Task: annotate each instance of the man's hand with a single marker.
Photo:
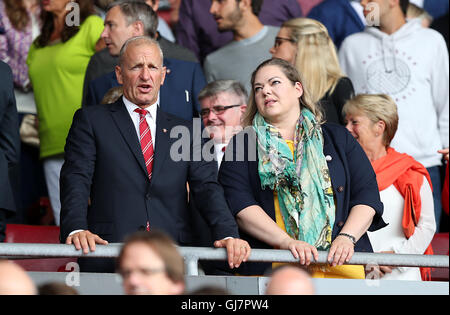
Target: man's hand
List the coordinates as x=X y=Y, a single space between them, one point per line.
x=85 y=240
x=238 y=250
x=387 y=269
x=444 y=152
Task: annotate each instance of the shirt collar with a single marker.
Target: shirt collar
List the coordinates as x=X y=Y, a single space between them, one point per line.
x=218 y=147
x=151 y=109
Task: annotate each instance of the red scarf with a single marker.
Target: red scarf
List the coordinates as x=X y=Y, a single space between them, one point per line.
x=406 y=174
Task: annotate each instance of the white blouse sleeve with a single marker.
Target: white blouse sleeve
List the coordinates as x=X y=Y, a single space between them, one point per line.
x=426 y=227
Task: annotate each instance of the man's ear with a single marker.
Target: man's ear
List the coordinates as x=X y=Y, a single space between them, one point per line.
x=164 y=73
x=119 y=74
x=245 y=5
x=394 y=3
x=155 y=5
x=138 y=28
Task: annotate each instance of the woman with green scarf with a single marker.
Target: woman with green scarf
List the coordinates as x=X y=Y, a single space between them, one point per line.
x=296 y=183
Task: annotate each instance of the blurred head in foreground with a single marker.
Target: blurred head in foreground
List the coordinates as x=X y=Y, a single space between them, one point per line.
x=290 y=280
x=150 y=263
x=14 y=280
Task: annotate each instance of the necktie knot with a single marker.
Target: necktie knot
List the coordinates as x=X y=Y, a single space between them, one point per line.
x=141 y=112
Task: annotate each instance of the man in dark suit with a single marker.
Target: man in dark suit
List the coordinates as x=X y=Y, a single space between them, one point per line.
x=223 y=104
x=135 y=19
x=134 y=183
x=9 y=146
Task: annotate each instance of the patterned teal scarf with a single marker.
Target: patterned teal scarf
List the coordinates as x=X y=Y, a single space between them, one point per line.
x=303 y=184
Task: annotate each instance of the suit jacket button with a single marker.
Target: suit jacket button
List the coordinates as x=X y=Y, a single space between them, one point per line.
x=340 y=224
x=147 y=196
x=340 y=189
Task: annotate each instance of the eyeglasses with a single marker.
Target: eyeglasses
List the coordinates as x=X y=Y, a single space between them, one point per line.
x=218 y=110
x=279 y=41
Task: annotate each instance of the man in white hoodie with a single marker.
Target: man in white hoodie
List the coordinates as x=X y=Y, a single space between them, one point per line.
x=411 y=64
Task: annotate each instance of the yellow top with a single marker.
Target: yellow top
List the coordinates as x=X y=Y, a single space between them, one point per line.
x=318 y=271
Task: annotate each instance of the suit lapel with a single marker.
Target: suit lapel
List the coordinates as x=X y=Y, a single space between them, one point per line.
x=125 y=124
x=163 y=142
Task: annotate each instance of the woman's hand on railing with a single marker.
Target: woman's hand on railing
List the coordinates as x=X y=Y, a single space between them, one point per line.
x=341 y=251
x=301 y=250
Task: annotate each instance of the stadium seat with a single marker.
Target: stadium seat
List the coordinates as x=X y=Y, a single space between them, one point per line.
x=440 y=245
x=18 y=233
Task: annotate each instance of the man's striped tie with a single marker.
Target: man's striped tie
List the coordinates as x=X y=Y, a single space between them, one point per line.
x=146 y=141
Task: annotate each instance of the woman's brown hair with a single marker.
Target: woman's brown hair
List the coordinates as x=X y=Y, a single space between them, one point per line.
x=86 y=9
x=17 y=14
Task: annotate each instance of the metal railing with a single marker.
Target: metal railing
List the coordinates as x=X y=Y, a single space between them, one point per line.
x=193 y=254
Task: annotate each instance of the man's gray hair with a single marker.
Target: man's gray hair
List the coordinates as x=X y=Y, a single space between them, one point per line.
x=135 y=11
x=139 y=40
x=220 y=86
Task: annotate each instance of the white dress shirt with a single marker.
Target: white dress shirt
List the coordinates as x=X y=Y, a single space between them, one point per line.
x=150 y=117
x=219 y=153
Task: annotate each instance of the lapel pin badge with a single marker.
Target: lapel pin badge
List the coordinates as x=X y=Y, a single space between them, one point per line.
x=165 y=130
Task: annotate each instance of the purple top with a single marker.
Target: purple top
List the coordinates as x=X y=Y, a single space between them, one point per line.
x=14 y=47
x=197 y=29
x=307 y=5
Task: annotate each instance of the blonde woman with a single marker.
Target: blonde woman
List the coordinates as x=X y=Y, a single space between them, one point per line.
x=404 y=184
x=305 y=43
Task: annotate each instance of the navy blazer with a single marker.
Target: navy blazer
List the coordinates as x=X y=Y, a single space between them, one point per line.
x=178 y=96
x=9 y=139
x=352 y=176
x=339 y=17
x=104 y=164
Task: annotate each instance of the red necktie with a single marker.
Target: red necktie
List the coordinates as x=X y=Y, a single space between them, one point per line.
x=146 y=141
